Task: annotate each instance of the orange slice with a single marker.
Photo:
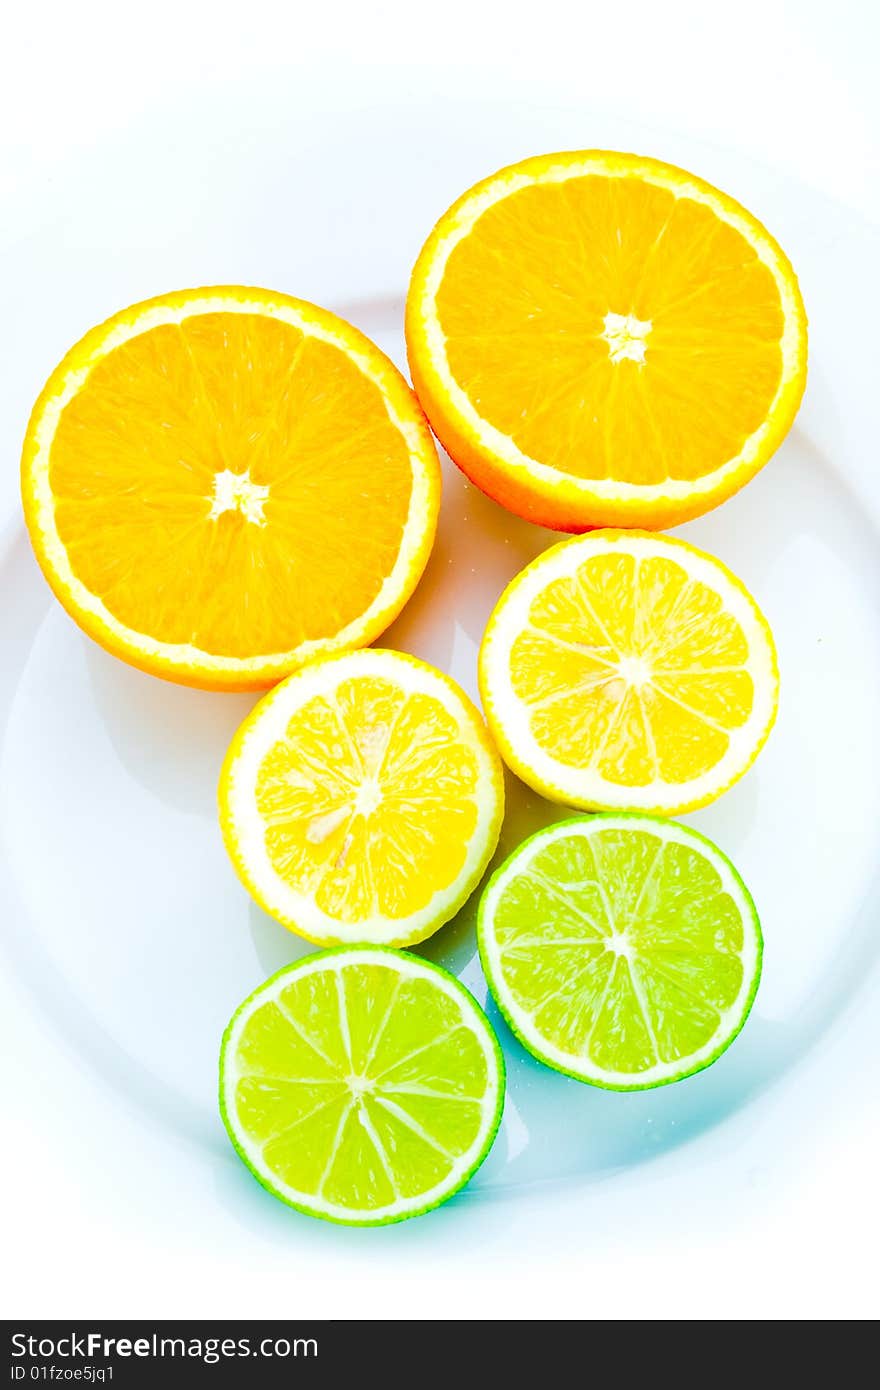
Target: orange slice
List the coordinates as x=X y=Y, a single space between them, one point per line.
x=221 y=484
x=600 y=339
x=628 y=671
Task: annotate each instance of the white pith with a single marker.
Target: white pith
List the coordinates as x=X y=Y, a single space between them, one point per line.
x=509 y=716
x=626 y=337
x=237 y=492
x=667 y=832
x=247 y=828
x=522 y=468
x=471 y=1018
x=183 y=656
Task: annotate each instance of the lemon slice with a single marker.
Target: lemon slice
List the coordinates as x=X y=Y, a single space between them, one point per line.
x=361 y=799
x=625 y=670
x=361 y=1085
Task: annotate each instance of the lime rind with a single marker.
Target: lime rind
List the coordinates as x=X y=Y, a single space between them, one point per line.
x=569 y=1064
x=493 y=1102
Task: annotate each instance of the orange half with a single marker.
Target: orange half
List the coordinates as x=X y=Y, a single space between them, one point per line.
x=221 y=484
x=599 y=339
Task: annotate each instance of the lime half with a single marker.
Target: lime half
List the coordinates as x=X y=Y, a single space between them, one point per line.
x=622 y=950
x=362 y=1085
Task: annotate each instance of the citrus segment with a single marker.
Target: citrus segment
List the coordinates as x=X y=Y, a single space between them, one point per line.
x=603 y=339
x=624 y=669
x=361 y=1085
x=624 y=950
x=362 y=799
x=221 y=484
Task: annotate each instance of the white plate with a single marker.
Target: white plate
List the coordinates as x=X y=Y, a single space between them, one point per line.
x=129 y=939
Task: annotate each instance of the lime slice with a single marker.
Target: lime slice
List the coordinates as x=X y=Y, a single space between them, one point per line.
x=361 y=1085
x=622 y=950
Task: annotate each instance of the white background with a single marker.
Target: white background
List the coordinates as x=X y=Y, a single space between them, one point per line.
x=792 y=85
